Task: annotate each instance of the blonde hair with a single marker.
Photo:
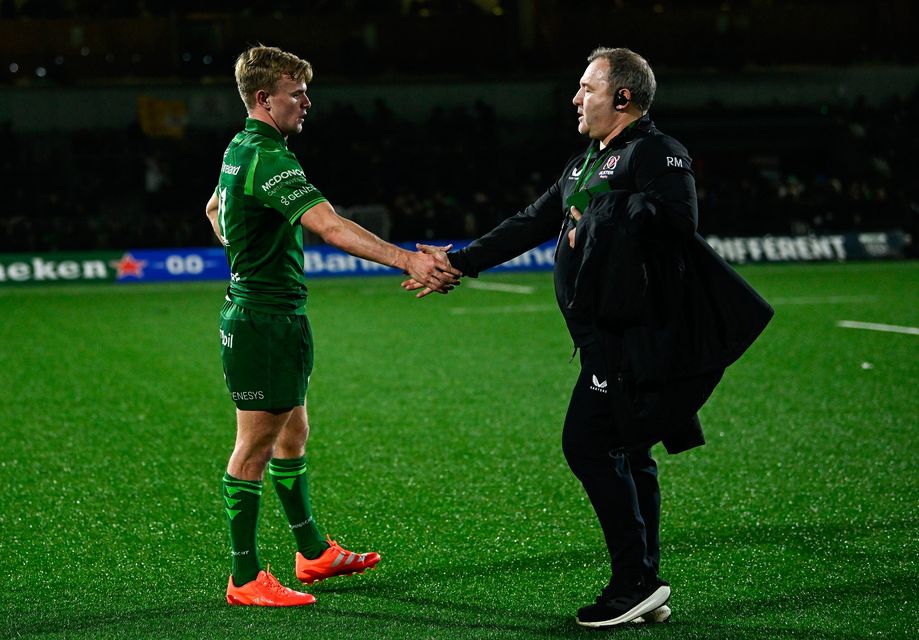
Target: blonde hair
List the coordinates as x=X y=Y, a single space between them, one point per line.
x=260 y=68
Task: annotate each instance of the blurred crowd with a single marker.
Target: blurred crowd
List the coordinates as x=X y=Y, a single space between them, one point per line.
x=462 y=171
x=69 y=42
x=839 y=170
x=457 y=173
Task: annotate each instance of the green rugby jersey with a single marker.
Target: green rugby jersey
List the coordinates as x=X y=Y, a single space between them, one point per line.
x=261 y=194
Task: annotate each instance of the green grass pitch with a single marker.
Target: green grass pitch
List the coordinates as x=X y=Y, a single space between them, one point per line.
x=436 y=441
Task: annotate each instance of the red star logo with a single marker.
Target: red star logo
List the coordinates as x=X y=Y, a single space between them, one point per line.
x=128 y=266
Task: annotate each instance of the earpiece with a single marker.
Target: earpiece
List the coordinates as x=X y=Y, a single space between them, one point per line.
x=620 y=100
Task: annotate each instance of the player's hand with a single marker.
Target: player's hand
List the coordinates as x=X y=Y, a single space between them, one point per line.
x=439 y=254
x=413 y=285
x=430 y=268
x=577 y=216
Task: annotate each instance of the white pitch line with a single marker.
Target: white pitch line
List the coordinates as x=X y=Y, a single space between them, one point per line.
x=519 y=308
x=873 y=326
x=498 y=286
x=822 y=300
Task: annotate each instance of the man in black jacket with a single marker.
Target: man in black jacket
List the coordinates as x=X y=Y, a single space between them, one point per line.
x=657 y=316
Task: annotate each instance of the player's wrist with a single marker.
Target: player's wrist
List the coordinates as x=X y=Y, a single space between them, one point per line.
x=403 y=260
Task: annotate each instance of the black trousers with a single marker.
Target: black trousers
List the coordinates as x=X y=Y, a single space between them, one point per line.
x=620 y=482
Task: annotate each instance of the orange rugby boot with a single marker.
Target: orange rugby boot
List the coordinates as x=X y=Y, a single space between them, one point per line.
x=266 y=591
x=334 y=561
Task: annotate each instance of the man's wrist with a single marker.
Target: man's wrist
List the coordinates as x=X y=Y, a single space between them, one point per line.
x=402 y=260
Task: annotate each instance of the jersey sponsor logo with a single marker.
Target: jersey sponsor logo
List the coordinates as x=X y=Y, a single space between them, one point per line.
x=248 y=395
x=226 y=339
x=673 y=161
x=609 y=167
x=597 y=385
x=296 y=194
x=575 y=173
x=230 y=169
x=284 y=175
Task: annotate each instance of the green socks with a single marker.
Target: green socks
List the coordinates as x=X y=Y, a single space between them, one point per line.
x=241 y=501
x=291 y=483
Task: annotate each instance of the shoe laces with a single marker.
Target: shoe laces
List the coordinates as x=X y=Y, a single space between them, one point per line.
x=332 y=543
x=273 y=583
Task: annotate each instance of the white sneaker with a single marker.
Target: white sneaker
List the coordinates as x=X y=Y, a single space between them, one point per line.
x=661 y=614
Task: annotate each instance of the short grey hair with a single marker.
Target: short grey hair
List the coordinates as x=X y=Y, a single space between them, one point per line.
x=628 y=70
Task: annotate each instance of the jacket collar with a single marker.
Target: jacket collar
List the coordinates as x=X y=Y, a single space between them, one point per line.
x=637 y=128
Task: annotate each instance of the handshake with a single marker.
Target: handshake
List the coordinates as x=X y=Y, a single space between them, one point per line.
x=430 y=271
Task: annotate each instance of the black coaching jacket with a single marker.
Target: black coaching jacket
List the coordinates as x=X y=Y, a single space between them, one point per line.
x=669 y=312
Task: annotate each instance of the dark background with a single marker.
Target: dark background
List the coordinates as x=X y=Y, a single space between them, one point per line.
x=800 y=116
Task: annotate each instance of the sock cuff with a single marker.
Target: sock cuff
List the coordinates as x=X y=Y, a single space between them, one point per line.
x=287 y=467
x=234 y=485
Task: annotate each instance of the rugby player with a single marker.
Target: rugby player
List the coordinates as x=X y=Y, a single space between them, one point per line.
x=261 y=205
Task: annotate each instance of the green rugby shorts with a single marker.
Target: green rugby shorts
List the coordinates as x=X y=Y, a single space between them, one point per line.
x=267 y=358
